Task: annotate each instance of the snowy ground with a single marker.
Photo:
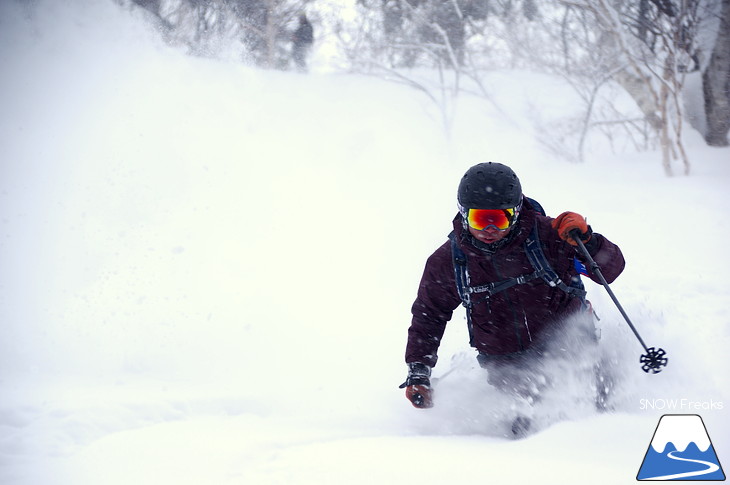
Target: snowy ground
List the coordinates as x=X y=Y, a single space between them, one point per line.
x=207 y=271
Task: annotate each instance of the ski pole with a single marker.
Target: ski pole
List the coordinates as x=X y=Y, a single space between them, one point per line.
x=655 y=358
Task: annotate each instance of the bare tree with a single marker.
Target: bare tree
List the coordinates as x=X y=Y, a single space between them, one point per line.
x=716 y=83
x=647 y=46
x=414 y=31
x=259 y=27
x=408 y=40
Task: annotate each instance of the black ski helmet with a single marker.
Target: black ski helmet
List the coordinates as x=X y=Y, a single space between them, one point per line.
x=489 y=185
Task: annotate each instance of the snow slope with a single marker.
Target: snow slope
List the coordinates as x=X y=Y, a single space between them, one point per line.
x=207 y=271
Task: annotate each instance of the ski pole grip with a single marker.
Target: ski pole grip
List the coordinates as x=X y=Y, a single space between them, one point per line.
x=575 y=234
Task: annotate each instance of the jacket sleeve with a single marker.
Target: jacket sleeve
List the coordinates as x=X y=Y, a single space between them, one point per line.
x=607 y=255
x=437 y=299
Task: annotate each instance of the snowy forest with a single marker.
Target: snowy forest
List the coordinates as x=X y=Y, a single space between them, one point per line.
x=672 y=58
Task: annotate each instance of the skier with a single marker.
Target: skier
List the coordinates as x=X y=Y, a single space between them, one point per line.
x=302 y=40
x=491 y=265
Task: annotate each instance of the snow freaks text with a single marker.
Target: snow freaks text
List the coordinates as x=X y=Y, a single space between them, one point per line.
x=679 y=405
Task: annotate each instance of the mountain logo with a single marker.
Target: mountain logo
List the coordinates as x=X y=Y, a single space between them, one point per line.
x=681 y=450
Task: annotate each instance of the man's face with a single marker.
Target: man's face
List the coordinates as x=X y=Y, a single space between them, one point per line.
x=489 y=235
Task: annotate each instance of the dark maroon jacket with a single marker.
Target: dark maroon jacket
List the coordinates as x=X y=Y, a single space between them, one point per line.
x=511 y=320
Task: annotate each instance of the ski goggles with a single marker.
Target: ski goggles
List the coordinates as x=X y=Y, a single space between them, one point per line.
x=501 y=219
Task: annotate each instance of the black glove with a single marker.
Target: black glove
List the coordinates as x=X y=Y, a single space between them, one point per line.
x=418 y=385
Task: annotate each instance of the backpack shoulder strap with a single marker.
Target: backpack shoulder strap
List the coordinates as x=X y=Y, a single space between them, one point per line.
x=536 y=205
x=539 y=262
x=458 y=259
x=461 y=276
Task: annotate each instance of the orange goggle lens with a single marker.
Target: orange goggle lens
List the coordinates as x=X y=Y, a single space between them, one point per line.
x=480 y=219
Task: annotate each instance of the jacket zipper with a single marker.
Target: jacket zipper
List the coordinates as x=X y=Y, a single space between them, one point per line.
x=515 y=322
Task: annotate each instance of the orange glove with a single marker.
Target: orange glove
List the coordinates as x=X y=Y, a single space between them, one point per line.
x=567 y=222
x=420 y=396
x=418 y=385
